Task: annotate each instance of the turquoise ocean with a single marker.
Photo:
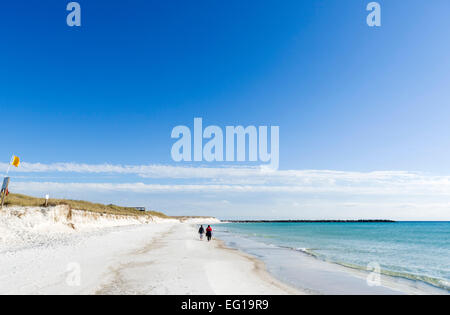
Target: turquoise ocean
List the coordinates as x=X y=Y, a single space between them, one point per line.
x=418 y=251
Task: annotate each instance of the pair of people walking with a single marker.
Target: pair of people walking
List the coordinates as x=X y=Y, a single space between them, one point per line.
x=201 y=231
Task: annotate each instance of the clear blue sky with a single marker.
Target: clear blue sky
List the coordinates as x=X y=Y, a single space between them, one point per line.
x=346 y=97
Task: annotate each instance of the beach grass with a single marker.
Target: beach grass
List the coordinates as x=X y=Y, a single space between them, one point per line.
x=28 y=201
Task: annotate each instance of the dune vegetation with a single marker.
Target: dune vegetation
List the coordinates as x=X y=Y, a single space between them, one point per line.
x=28 y=201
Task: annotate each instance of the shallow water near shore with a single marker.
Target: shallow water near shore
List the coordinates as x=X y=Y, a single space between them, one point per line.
x=415 y=255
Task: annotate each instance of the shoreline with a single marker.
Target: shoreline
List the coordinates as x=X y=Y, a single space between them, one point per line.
x=177 y=262
x=43 y=252
x=161 y=257
x=350 y=280
x=261 y=270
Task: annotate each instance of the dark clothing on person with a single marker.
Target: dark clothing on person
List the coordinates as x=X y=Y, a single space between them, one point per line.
x=201 y=231
x=209 y=233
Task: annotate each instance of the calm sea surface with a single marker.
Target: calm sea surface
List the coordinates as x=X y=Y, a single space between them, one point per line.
x=414 y=250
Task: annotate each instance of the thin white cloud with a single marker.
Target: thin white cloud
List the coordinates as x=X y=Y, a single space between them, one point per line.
x=386 y=190
x=256 y=178
x=233 y=180
x=256 y=191
x=176 y=172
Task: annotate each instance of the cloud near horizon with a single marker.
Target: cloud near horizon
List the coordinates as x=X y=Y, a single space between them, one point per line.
x=250 y=186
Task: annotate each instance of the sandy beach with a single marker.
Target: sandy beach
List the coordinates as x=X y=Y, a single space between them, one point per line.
x=164 y=257
x=48 y=251
x=177 y=262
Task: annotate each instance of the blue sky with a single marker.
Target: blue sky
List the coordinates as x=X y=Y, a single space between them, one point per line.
x=346 y=97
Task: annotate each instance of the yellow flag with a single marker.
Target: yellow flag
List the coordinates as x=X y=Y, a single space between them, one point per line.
x=16 y=161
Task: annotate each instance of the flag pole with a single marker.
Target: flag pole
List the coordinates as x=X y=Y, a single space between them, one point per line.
x=3 y=192
x=9 y=166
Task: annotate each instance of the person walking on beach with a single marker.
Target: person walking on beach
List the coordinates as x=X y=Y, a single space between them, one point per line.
x=209 y=233
x=201 y=231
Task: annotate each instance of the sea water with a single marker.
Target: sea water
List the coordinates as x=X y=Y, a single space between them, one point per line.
x=419 y=251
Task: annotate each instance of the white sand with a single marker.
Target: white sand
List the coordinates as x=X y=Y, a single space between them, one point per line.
x=165 y=257
x=43 y=251
x=177 y=262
